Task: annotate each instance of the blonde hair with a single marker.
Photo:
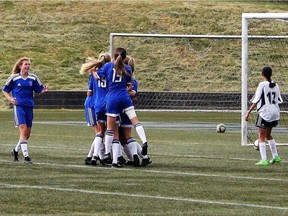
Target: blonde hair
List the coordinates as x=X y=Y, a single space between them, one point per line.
x=131 y=63
x=95 y=64
x=16 y=69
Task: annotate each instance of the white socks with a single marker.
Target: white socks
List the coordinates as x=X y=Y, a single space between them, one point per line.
x=24 y=148
x=273 y=148
x=141 y=133
x=109 y=136
x=18 y=146
x=262 y=149
x=90 y=153
x=116 y=148
x=97 y=145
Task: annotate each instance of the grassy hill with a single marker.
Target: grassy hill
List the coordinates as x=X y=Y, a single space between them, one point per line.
x=59 y=35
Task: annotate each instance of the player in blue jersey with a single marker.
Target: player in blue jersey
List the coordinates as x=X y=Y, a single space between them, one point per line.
x=89 y=103
x=266 y=99
x=129 y=144
x=97 y=93
x=19 y=90
x=100 y=87
x=118 y=77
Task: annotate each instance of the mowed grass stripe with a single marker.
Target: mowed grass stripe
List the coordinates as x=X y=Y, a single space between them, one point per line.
x=211 y=202
x=160 y=172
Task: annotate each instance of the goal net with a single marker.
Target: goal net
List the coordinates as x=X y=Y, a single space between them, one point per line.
x=185 y=72
x=267 y=47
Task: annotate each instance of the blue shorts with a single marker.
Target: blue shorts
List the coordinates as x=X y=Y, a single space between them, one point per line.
x=90 y=116
x=125 y=121
x=23 y=115
x=101 y=116
x=115 y=106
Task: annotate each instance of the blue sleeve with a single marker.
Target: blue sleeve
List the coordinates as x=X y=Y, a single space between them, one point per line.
x=135 y=85
x=37 y=86
x=8 y=87
x=90 y=83
x=102 y=71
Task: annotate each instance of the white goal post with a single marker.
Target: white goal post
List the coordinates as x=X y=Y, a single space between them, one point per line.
x=244 y=91
x=243 y=62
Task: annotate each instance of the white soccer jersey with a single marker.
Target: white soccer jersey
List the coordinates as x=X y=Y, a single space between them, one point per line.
x=268 y=100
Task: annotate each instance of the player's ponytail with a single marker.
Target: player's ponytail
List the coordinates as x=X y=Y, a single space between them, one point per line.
x=267 y=73
x=95 y=64
x=119 y=56
x=130 y=61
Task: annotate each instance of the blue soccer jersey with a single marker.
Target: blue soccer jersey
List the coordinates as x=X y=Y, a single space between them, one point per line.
x=23 y=89
x=89 y=101
x=115 y=83
x=89 y=104
x=135 y=86
x=118 y=98
x=100 y=88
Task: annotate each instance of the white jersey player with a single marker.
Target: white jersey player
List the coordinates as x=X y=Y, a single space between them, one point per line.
x=266 y=99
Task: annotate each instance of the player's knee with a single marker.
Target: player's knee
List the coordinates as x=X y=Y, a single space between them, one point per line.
x=131 y=113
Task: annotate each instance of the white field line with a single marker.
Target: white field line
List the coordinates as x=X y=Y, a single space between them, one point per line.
x=158 y=171
x=161 y=155
x=144 y=196
x=168 y=155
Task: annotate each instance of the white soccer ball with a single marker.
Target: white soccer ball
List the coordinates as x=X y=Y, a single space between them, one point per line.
x=256 y=145
x=221 y=128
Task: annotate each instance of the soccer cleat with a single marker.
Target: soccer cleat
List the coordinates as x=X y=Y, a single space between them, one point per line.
x=106 y=160
x=146 y=161
x=93 y=162
x=15 y=155
x=88 y=160
x=144 y=149
x=276 y=160
x=129 y=163
x=262 y=163
x=136 y=161
x=121 y=160
x=117 y=165
x=27 y=160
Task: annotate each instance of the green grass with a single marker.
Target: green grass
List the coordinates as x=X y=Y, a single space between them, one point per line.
x=194 y=172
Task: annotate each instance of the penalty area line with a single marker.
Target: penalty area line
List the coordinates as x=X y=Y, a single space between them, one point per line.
x=211 y=202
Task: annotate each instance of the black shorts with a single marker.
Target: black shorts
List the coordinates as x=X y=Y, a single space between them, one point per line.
x=261 y=123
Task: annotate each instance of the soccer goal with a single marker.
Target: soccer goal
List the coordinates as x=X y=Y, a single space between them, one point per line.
x=185 y=72
x=267 y=47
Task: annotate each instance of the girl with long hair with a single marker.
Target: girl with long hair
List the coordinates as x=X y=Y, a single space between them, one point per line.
x=266 y=99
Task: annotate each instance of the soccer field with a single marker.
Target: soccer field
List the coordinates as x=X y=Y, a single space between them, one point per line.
x=195 y=171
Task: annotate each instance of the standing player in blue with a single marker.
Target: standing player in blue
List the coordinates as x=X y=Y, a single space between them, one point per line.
x=22 y=84
x=98 y=90
x=129 y=144
x=89 y=104
x=118 y=76
x=267 y=99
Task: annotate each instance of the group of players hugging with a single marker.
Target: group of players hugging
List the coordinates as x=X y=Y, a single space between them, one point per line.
x=109 y=109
